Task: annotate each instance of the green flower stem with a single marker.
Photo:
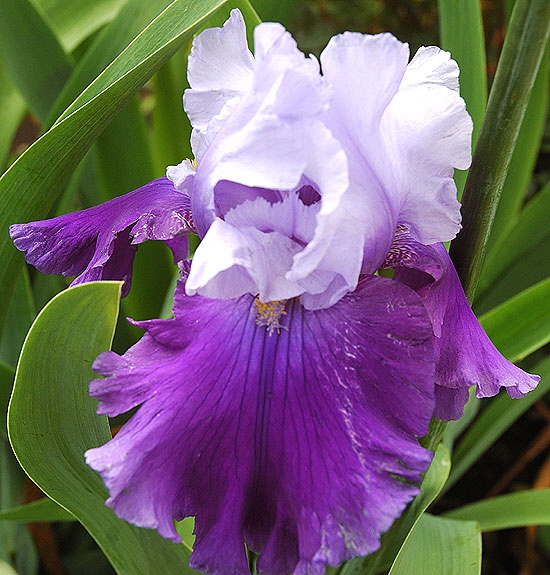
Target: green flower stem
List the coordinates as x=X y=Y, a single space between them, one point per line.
x=517 y=68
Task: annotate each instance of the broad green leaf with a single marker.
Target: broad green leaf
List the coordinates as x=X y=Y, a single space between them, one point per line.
x=531 y=507
x=433 y=482
x=504 y=270
x=74 y=21
x=34 y=182
x=44 y=509
x=440 y=546
x=134 y=16
x=52 y=422
x=461 y=33
x=524 y=159
x=11 y=114
x=520 y=326
x=493 y=422
x=31 y=52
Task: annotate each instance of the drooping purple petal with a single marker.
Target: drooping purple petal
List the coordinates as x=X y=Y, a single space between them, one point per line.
x=300 y=440
x=99 y=243
x=465 y=354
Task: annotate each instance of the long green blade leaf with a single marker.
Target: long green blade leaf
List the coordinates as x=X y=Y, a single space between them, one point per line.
x=461 y=33
x=520 y=326
x=530 y=507
x=30 y=50
x=44 y=509
x=52 y=422
x=517 y=69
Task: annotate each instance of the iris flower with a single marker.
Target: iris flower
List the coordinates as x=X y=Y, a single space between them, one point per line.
x=282 y=404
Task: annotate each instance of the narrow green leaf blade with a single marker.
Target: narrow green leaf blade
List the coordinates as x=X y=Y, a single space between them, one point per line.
x=524 y=157
x=442 y=546
x=528 y=236
x=517 y=70
x=11 y=113
x=520 y=326
x=44 y=509
x=52 y=422
x=531 y=507
x=461 y=33
x=74 y=21
x=133 y=17
x=30 y=50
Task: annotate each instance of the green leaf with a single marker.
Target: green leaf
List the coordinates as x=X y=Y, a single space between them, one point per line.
x=134 y=16
x=461 y=33
x=11 y=114
x=171 y=127
x=442 y=546
x=34 y=182
x=531 y=507
x=504 y=271
x=42 y=510
x=519 y=326
x=31 y=52
x=524 y=158
x=74 y=21
x=493 y=422
x=517 y=69
x=52 y=422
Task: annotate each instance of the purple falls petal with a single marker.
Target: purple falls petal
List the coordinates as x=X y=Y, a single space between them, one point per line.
x=301 y=444
x=99 y=243
x=466 y=356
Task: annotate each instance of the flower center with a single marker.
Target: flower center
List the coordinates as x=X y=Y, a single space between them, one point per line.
x=269 y=314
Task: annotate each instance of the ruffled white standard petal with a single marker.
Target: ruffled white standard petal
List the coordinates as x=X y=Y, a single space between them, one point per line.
x=404 y=129
x=429 y=130
x=219 y=72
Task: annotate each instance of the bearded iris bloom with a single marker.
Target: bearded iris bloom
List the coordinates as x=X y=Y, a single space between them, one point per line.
x=282 y=404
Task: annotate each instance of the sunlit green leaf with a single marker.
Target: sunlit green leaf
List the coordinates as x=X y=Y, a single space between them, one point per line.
x=52 y=422
x=440 y=546
x=530 y=507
